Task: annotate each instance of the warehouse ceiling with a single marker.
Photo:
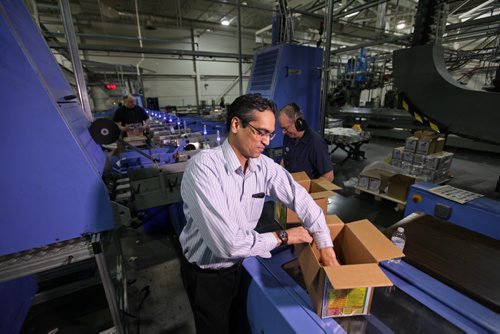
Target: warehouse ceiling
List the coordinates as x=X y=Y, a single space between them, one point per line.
x=355 y=20
x=379 y=25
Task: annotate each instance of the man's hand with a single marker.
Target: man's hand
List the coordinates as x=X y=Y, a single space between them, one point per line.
x=121 y=127
x=298 y=235
x=328 y=257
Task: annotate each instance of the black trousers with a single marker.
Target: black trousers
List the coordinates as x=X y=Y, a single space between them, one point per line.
x=213 y=297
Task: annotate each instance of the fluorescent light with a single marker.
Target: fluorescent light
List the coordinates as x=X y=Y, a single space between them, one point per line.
x=401 y=25
x=224 y=22
x=352 y=14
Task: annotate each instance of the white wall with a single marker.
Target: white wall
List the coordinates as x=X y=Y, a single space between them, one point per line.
x=173 y=78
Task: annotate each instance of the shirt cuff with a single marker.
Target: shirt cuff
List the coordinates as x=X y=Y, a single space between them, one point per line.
x=322 y=240
x=269 y=240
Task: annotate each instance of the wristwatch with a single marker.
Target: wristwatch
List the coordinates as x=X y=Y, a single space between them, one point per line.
x=283 y=235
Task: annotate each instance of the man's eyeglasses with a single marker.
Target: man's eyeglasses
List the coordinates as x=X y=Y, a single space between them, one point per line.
x=262 y=133
x=287 y=128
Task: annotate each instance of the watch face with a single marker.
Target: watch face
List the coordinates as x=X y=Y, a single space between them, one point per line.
x=284 y=237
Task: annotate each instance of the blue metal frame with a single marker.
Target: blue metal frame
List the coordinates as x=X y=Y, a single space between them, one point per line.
x=457 y=308
x=481 y=215
x=51 y=177
x=275 y=302
x=289 y=73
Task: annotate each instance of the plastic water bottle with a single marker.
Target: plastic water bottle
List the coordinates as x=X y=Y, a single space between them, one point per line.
x=399 y=239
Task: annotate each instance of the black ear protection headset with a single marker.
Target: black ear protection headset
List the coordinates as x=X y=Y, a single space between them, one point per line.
x=300 y=122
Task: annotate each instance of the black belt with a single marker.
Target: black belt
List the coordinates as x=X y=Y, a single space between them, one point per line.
x=234 y=267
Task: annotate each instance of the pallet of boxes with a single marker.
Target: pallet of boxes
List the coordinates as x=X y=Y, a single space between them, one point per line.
x=423 y=157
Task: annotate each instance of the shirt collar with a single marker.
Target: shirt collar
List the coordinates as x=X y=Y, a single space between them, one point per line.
x=232 y=163
x=304 y=139
x=307 y=135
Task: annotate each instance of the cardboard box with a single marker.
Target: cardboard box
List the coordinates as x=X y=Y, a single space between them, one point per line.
x=411 y=144
x=399 y=185
x=447 y=158
x=396 y=163
x=408 y=157
x=347 y=290
x=426 y=134
x=377 y=179
x=426 y=146
x=428 y=174
x=319 y=190
x=416 y=170
x=397 y=153
x=363 y=181
x=439 y=161
x=440 y=143
x=419 y=160
x=406 y=167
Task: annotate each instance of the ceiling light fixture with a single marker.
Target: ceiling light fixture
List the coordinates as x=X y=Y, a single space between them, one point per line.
x=401 y=25
x=352 y=14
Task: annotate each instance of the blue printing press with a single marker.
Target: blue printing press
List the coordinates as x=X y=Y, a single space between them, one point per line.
x=52 y=189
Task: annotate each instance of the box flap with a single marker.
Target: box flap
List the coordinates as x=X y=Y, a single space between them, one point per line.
x=309 y=265
x=335 y=224
x=300 y=176
x=322 y=194
x=356 y=276
x=377 y=173
x=333 y=220
x=374 y=241
x=324 y=184
x=305 y=183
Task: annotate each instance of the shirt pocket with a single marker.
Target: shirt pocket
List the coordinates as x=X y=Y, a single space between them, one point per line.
x=254 y=203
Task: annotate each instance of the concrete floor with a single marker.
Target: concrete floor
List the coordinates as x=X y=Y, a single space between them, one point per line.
x=152 y=259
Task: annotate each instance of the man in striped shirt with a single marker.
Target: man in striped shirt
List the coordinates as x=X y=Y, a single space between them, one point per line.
x=223 y=190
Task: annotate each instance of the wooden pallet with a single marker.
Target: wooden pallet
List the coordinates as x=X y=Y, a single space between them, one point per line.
x=400 y=205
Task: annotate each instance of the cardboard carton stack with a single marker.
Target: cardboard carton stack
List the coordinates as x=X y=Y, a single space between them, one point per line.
x=385 y=182
x=423 y=157
x=319 y=190
x=347 y=290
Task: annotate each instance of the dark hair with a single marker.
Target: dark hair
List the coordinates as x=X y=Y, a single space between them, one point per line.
x=244 y=108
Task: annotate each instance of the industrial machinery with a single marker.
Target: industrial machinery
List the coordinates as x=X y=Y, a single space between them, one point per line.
x=146 y=179
x=448 y=281
x=55 y=207
x=429 y=92
x=289 y=73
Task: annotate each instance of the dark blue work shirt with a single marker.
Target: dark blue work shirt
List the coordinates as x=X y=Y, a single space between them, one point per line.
x=308 y=154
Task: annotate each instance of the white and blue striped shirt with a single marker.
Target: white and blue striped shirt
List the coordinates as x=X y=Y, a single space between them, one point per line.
x=221 y=213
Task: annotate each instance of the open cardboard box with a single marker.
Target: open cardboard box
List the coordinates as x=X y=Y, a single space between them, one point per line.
x=319 y=190
x=346 y=290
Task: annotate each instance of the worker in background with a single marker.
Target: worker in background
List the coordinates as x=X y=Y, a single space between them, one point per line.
x=303 y=148
x=130 y=118
x=223 y=190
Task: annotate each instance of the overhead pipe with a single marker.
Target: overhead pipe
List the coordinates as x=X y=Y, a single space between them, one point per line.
x=139 y=34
